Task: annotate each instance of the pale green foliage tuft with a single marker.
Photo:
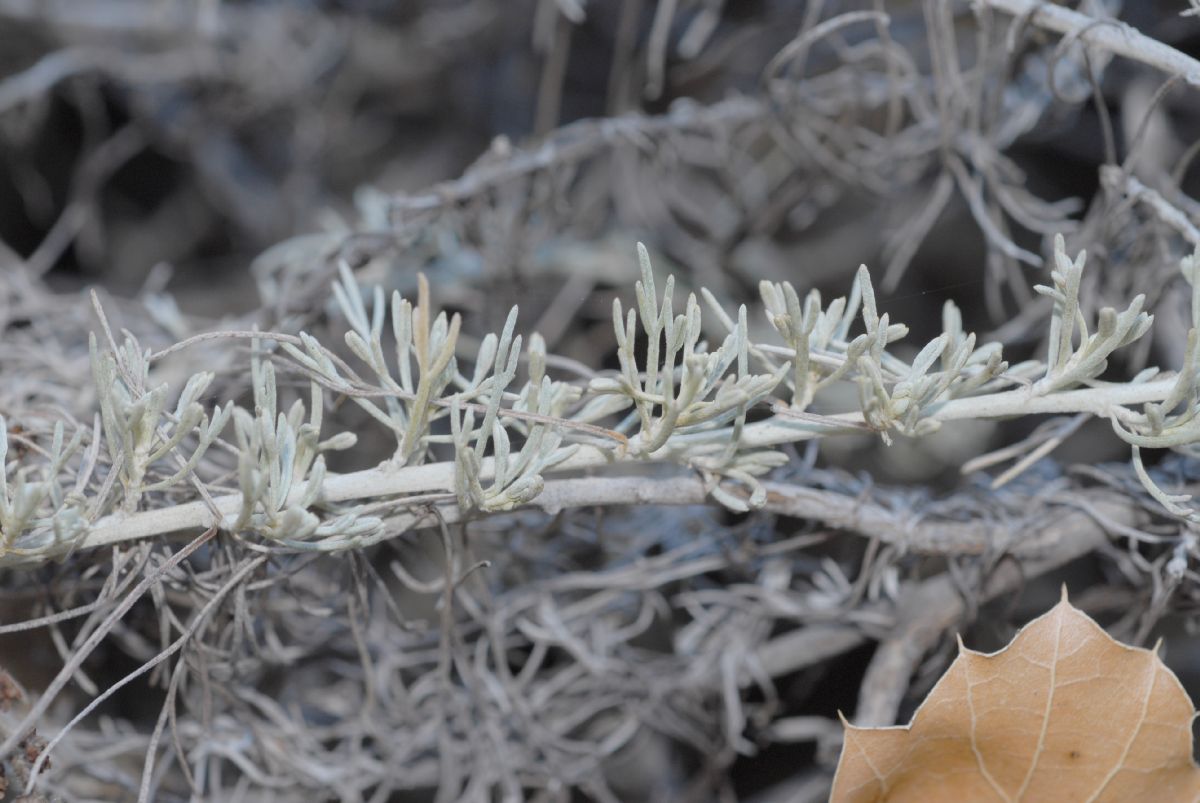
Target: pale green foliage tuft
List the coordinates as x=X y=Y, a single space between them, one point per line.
x=1067 y=364
x=281 y=469
x=136 y=427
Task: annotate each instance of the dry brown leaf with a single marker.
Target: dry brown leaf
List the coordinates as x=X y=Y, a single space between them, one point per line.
x=1063 y=713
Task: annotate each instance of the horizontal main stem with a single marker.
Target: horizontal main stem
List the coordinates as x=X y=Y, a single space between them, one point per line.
x=382 y=482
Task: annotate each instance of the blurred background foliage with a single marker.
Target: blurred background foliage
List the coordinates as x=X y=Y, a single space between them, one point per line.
x=232 y=153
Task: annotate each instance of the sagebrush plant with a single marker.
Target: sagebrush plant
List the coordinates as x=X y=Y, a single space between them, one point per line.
x=677 y=399
x=497 y=437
